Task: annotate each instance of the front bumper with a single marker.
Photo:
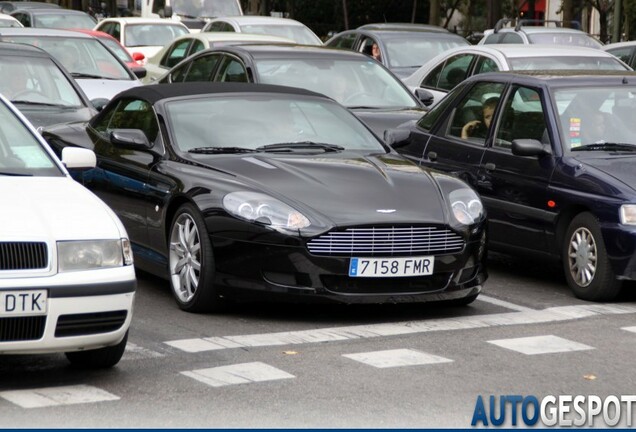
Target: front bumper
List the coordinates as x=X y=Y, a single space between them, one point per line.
x=620 y=244
x=244 y=268
x=84 y=311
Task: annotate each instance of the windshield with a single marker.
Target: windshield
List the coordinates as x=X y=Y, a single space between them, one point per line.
x=350 y=82
x=36 y=80
x=569 y=62
x=298 y=33
x=413 y=49
x=595 y=115
x=263 y=119
x=20 y=152
x=137 y=35
x=64 y=21
x=206 y=8
x=558 y=38
x=84 y=56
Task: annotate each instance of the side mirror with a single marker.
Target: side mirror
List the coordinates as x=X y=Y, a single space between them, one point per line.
x=78 y=158
x=99 y=103
x=134 y=139
x=425 y=96
x=530 y=147
x=397 y=137
x=139 y=72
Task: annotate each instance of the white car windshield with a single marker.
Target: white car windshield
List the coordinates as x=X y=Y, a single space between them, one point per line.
x=413 y=49
x=353 y=83
x=82 y=57
x=36 y=80
x=298 y=33
x=138 y=35
x=21 y=154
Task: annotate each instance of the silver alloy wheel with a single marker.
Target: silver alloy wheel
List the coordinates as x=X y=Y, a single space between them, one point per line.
x=185 y=257
x=582 y=256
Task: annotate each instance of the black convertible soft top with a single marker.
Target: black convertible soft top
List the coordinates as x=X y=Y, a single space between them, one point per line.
x=157 y=92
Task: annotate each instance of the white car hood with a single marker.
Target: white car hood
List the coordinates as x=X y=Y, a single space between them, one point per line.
x=53 y=208
x=101 y=88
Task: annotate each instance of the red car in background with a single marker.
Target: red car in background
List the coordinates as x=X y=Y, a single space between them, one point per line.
x=134 y=60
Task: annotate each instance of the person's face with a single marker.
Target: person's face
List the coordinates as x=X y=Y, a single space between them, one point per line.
x=488 y=113
x=375 y=50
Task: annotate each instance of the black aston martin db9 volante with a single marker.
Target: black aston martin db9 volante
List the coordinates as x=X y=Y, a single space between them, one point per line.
x=231 y=189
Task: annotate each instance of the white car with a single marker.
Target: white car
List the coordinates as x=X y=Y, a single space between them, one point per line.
x=159 y=64
x=626 y=51
x=446 y=70
x=285 y=27
x=144 y=35
x=9 y=21
x=67 y=281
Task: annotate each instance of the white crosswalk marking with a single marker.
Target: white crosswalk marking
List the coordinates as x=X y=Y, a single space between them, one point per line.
x=540 y=345
x=237 y=374
x=397 y=357
x=629 y=329
x=135 y=352
x=555 y=314
x=53 y=396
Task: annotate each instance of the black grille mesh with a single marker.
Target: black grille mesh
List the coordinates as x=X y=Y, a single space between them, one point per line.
x=22 y=328
x=23 y=255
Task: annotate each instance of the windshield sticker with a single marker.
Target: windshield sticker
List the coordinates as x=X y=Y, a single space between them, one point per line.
x=575 y=132
x=33 y=157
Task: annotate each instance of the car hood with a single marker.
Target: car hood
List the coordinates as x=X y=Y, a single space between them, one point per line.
x=619 y=167
x=52 y=209
x=104 y=88
x=358 y=189
x=41 y=116
x=379 y=120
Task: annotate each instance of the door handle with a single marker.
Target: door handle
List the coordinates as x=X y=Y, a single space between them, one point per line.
x=490 y=166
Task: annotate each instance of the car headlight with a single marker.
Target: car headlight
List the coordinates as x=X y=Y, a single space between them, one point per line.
x=93 y=254
x=628 y=214
x=466 y=205
x=261 y=208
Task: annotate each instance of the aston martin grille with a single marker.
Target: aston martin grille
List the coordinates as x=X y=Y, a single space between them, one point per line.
x=387 y=241
x=23 y=255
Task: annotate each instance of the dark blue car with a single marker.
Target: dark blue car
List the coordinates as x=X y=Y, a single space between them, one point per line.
x=553 y=156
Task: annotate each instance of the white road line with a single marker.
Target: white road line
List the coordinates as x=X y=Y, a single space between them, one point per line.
x=136 y=352
x=54 y=396
x=503 y=303
x=237 y=374
x=396 y=357
x=554 y=314
x=629 y=329
x=547 y=344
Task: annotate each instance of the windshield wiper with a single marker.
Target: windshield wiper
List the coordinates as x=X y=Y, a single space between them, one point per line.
x=218 y=150
x=27 y=102
x=93 y=76
x=606 y=146
x=291 y=146
x=15 y=174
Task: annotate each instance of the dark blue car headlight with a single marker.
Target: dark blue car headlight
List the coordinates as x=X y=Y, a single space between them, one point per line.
x=466 y=207
x=264 y=209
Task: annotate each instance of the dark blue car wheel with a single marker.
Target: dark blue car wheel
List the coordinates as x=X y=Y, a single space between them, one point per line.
x=587 y=268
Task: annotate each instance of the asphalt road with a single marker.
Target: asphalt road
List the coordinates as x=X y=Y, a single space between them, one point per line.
x=335 y=366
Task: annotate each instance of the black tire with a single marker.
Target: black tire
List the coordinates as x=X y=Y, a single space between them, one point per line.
x=585 y=263
x=191 y=262
x=101 y=358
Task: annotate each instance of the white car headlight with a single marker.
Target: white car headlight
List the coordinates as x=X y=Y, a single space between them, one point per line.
x=466 y=205
x=628 y=214
x=261 y=208
x=93 y=254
